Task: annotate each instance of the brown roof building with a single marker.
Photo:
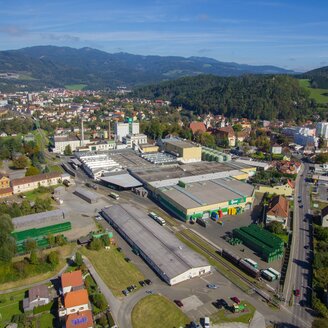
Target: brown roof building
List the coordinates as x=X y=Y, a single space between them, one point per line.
x=278 y=210
x=197 y=127
x=33 y=182
x=80 y=320
x=72 y=281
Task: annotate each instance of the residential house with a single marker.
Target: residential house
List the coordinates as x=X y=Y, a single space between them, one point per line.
x=278 y=210
x=75 y=302
x=33 y=182
x=37 y=296
x=79 y=320
x=276 y=149
x=243 y=134
x=227 y=132
x=288 y=167
x=71 y=281
x=324 y=217
x=197 y=127
x=4 y=181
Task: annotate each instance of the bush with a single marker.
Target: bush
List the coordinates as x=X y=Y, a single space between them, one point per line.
x=99 y=301
x=43 y=308
x=275 y=227
x=53 y=258
x=96 y=244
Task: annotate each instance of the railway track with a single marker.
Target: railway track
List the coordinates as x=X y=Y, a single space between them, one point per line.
x=251 y=285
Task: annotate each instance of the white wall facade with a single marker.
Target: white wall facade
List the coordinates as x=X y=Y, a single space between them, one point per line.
x=34 y=185
x=192 y=273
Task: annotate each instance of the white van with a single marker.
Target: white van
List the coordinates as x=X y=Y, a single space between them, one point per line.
x=207 y=322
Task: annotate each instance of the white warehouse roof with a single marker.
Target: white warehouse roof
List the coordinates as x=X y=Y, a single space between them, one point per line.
x=172 y=257
x=122 y=180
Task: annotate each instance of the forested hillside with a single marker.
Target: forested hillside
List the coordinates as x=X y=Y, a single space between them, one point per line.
x=252 y=96
x=318 y=77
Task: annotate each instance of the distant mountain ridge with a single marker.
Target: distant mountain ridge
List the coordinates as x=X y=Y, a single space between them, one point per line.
x=54 y=66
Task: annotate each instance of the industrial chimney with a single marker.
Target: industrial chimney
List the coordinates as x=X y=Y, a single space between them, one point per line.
x=109 y=134
x=82 y=132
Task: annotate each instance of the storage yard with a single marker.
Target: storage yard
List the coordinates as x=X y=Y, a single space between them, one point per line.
x=164 y=253
x=265 y=244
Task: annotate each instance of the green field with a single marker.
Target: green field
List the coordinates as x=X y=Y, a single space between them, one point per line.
x=41 y=138
x=156 y=311
x=316 y=94
x=9 y=305
x=75 y=86
x=223 y=316
x=113 y=269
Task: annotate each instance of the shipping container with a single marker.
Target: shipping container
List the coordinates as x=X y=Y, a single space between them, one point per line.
x=252 y=263
x=268 y=275
x=275 y=272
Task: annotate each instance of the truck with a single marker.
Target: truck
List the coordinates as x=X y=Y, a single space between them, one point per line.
x=252 y=263
x=114 y=195
x=275 y=272
x=268 y=275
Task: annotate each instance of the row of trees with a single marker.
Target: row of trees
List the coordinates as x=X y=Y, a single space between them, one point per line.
x=25 y=207
x=320 y=269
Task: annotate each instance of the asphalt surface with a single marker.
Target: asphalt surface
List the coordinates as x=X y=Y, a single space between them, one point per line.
x=299 y=275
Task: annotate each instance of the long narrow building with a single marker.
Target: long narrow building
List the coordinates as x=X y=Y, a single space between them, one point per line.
x=173 y=261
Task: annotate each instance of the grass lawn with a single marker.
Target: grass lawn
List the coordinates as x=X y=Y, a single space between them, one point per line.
x=36 y=193
x=224 y=315
x=317 y=94
x=9 y=305
x=283 y=236
x=113 y=269
x=75 y=86
x=64 y=253
x=156 y=311
x=56 y=168
x=45 y=320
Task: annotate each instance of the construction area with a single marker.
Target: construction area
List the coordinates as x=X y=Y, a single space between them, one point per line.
x=268 y=246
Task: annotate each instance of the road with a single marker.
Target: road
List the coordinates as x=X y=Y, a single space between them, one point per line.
x=299 y=275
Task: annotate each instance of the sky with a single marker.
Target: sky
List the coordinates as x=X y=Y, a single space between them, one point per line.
x=291 y=34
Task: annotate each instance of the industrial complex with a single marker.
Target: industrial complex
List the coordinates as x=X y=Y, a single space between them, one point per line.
x=164 y=253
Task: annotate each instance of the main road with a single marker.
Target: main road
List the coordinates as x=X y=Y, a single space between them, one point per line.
x=299 y=274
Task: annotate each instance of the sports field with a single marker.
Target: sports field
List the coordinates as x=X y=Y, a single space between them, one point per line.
x=75 y=86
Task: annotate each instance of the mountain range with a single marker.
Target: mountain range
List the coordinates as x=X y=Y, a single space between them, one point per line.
x=51 y=66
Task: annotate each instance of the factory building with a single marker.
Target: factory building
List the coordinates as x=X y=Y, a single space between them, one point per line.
x=186 y=152
x=122 y=129
x=61 y=142
x=202 y=199
x=172 y=260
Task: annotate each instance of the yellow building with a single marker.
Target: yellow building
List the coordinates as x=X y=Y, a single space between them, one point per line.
x=185 y=151
x=4 y=181
x=149 y=148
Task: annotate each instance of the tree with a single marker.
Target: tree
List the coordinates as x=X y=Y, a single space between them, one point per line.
x=20 y=162
x=321 y=158
x=30 y=244
x=96 y=244
x=32 y=170
x=237 y=127
x=78 y=259
x=7 y=242
x=99 y=301
x=53 y=258
x=105 y=240
x=34 y=257
x=319 y=323
x=275 y=227
x=68 y=150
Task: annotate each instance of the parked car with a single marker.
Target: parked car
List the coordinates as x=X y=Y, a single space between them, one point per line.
x=125 y=292
x=127 y=259
x=194 y=325
x=149 y=292
x=148 y=282
x=142 y=283
x=178 y=303
x=207 y=323
x=306 y=246
x=212 y=286
x=297 y=292
x=235 y=299
x=223 y=302
x=130 y=289
x=301 y=206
